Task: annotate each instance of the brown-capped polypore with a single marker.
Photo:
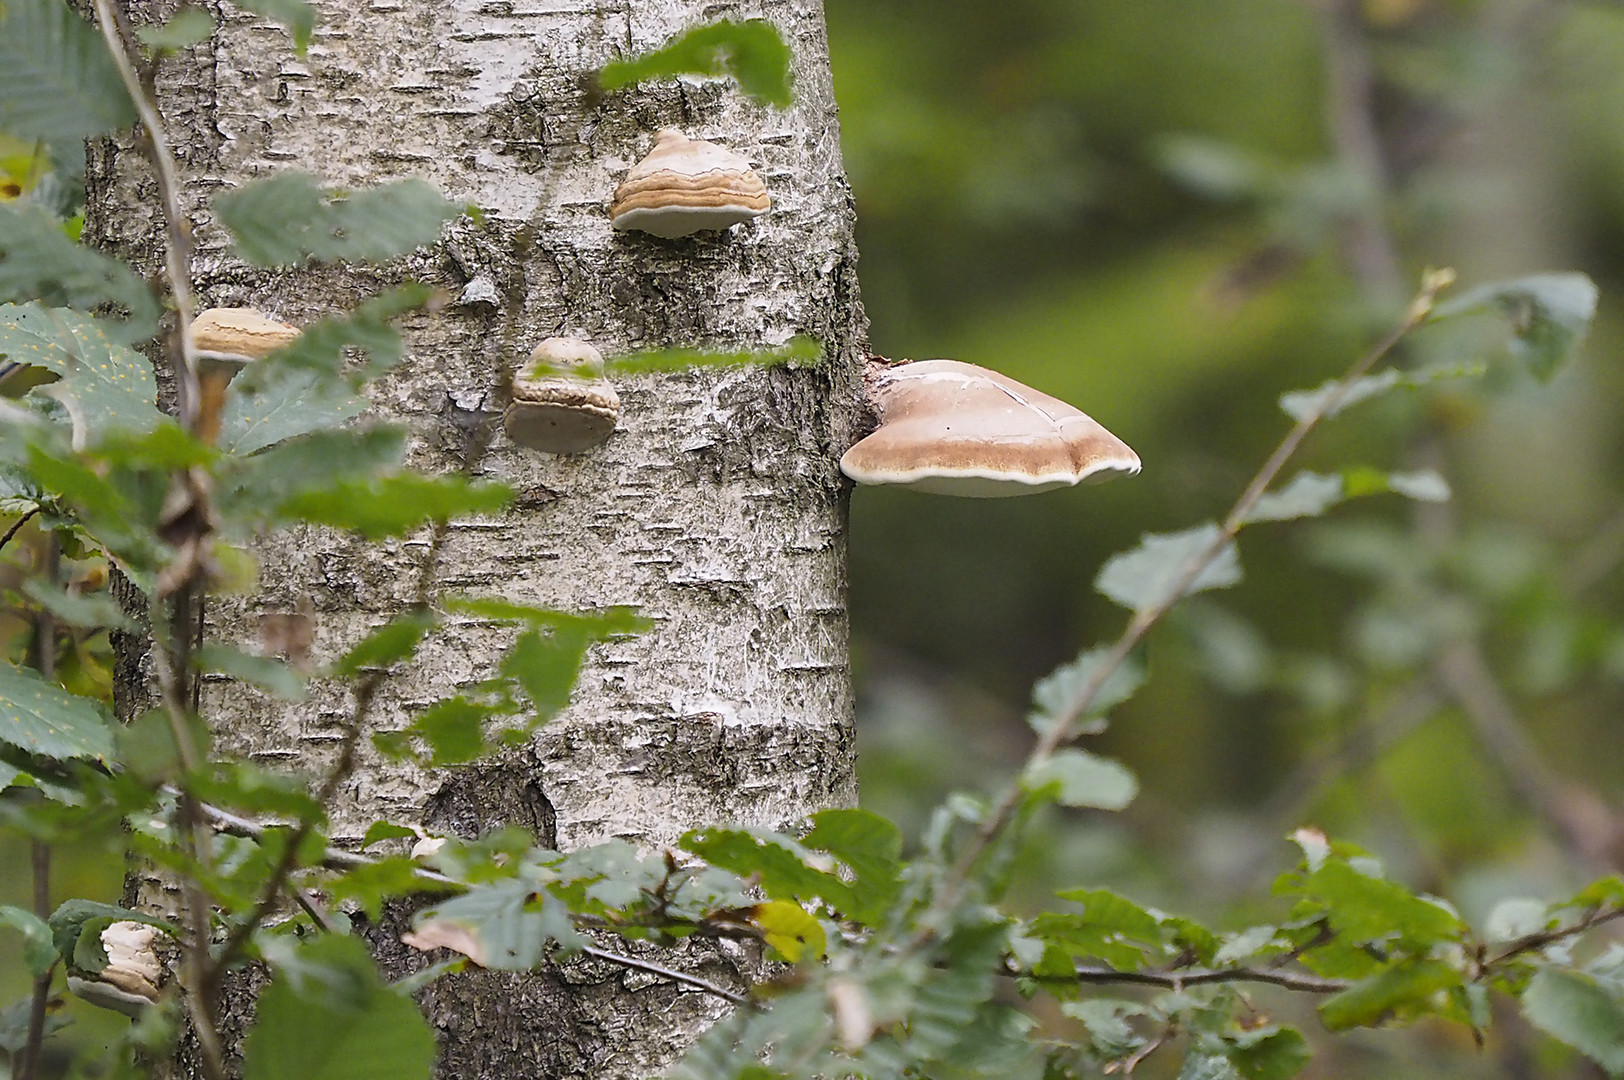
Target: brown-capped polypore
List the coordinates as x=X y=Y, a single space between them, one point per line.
x=958 y=429
x=561 y=402
x=686 y=186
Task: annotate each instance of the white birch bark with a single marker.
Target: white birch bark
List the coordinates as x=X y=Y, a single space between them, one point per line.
x=716 y=507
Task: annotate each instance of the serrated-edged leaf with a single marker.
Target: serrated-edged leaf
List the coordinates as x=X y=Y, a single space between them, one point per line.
x=395 y=505
x=1308 y=494
x=1329 y=398
x=288 y=219
x=38 y=951
x=546 y=666
x=1368 y=908
x=1550 y=314
x=370 y=884
x=390 y=643
x=507 y=923
x=1078 y=778
x=752 y=52
x=1203 y=1066
x=785 y=869
x=283 y=405
x=336 y=1021
x=454 y=729
x=791 y=930
x=801 y=350
x=1144 y=577
x=385 y=830
x=325 y=345
x=604 y=622
x=1110 y=927
x=1401 y=991
x=188 y=26
x=109 y=386
x=298 y=17
x=1245 y=943
x=1107 y=1022
x=871 y=847
x=1580 y=1011
x=253 y=487
x=38 y=263
x=41 y=719
x=1269 y=1053
x=1057 y=693
x=265 y=672
x=57 y=79
x=89 y=610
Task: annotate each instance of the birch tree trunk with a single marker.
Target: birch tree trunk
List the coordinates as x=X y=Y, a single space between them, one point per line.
x=716 y=507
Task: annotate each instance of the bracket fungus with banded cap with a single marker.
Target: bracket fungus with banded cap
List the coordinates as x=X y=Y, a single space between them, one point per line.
x=957 y=429
x=129 y=982
x=232 y=337
x=561 y=402
x=686 y=186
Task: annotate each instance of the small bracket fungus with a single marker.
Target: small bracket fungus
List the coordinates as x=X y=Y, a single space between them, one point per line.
x=561 y=403
x=129 y=982
x=232 y=337
x=958 y=429
x=686 y=186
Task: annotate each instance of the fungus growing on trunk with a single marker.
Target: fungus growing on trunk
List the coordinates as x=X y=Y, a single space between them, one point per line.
x=958 y=429
x=686 y=186
x=561 y=403
x=232 y=337
x=129 y=982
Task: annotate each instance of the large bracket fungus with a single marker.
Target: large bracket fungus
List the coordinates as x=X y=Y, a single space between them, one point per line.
x=232 y=337
x=686 y=186
x=561 y=403
x=958 y=429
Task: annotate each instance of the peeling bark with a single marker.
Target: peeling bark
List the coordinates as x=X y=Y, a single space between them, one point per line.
x=716 y=507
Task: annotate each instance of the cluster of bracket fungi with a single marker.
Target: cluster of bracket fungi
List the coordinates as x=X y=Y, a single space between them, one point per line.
x=944 y=426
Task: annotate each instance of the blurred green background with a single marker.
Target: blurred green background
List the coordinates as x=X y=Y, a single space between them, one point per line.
x=1164 y=212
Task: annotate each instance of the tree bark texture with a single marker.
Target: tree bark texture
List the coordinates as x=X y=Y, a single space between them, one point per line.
x=716 y=507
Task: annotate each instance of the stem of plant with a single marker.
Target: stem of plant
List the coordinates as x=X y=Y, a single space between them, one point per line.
x=34 y=1047
x=1065 y=724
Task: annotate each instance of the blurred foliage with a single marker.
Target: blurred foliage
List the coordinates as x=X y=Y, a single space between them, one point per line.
x=1146 y=209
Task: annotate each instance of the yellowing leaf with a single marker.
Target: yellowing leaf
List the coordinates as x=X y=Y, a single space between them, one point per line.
x=791 y=930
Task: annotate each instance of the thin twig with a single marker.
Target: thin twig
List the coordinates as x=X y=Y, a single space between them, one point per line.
x=1064 y=726
x=1542 y=938
x=178 y=245
x=34 y=1047
x=1178 y=980
x=15 y=526
x=666 y=973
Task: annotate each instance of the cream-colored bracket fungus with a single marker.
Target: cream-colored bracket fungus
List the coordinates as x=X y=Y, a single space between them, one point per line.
x=235 y=336
x=129 y=982
x=686 y=186
x=561 y=403
x=959 y=429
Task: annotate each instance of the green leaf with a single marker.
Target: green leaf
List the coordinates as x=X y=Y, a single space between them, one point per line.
x=1055 y=694
x=1144 y=577
x=1299 y=404
x=784 y=868
x=388 y=644
x=1269 y=1053
x=1198 y=1066
x=385 y=830
x=333 y=1019
x=1308 y=494
x=1368 y=908
x=1110 y=928
x=546 y=666
x=1400 y=992
x=90 y=610
x=38 y=951
x=801 y=349
x=603 y=622
x=1424 y=485
x=188 y=26
x=38 y=263
x=105 y=385
x=395 y=505
x=298 y=17
x=454 y=729
x=57 y=79
x=871 y=848
x=283 y=405
x=325 y=345
x=373 y=883
x=1550 y=315
x=1078 y=778
x=43 y=720
x=289 y=219
x=753 y=52
x=508 y=922
x=1579 y=1011
x=253 y=488
x=1107 y=1022
x=266 y=672
x=791 y=930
